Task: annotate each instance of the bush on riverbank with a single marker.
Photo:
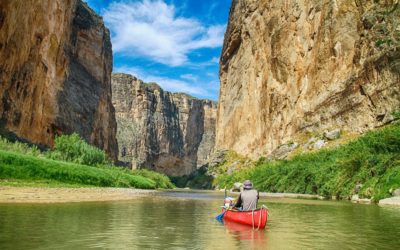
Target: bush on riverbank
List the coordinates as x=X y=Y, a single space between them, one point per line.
x=160 y=180
x=17 y=166
x=372 y=160
x=19 y=161
x=72 y=148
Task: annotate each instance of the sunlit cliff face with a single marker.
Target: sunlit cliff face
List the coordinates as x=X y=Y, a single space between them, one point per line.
x=172 y=133
x=289 y=67
x=55 y=70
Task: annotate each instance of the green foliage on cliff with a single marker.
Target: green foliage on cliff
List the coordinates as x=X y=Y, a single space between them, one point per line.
x=21 y=162
x=372 y=160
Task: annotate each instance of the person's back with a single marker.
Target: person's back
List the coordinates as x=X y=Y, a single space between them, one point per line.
x=248 y=198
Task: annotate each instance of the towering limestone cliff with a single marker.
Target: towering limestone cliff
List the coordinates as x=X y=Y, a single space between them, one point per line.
x=292 y=67
x=172 y=133
x=55 y=70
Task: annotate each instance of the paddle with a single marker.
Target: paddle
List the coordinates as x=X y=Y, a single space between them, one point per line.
x=221 y=215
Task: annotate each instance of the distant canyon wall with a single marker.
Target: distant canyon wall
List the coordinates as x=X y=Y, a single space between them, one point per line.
x=293 y=67
x=55 y=72
x=172 y=133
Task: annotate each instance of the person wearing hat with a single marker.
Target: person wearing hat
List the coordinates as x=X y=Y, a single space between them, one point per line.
x=248 y=198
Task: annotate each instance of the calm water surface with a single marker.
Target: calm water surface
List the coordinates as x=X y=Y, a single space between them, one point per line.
x=179 y=220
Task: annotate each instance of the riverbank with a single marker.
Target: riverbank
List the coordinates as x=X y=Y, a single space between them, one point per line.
x=63 y=195
x=366 y=169
x=71 y=162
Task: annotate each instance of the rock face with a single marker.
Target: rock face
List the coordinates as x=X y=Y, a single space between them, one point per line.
x=55 y=72
x=290 y=67
x=171 y=133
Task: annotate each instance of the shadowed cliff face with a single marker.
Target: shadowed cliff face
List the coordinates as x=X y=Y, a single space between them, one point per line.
x=55 y=70
x=171 y=133
x=290 y=67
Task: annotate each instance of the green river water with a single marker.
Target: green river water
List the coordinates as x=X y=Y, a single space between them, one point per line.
x=185 y=220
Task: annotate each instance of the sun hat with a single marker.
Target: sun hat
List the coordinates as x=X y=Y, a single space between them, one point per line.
x=247 y=184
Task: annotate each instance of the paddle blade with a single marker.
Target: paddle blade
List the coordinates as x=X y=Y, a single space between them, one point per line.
x=220 y=216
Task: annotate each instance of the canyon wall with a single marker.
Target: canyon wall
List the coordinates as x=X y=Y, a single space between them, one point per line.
x=294 y=67
x=55 y=72
x=172 y=133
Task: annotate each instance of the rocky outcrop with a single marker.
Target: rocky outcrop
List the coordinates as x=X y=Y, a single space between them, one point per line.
x=172 y=133
x=55 y=72
x=293 y=67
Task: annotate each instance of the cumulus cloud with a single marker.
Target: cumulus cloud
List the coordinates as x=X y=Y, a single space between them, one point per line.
x=151 y=29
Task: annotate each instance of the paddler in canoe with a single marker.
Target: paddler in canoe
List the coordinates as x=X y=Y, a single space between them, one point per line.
x=245 y=211
x=248 y=198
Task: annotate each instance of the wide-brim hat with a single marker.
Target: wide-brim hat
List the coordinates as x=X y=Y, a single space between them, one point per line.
x=247 y=185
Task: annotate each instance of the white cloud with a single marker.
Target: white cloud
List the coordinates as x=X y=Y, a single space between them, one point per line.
x=215 y=60
x=189 y=77
x=151 y=29
x=168 y=84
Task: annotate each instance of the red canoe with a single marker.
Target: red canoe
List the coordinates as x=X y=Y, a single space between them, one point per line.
x=256 y=219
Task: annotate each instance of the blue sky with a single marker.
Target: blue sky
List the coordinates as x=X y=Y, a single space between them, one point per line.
x=174 y=43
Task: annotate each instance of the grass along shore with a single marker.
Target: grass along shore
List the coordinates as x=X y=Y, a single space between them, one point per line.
x=72 y=163
x=368 y=166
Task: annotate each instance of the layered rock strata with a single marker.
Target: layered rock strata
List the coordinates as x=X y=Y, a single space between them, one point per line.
x=292 y=67
x=172 y=133
x=55 y=72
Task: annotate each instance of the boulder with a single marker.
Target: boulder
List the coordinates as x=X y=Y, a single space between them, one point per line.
x=319 y=144
x=388 y=118
x=310 y=143
x=355 y=198
x=283 y=151
x=394 y=201
x=396 y=193
x=332 y=135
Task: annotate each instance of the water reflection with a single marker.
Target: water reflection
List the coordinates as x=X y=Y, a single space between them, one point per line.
x=256 y=239
x=187 y=221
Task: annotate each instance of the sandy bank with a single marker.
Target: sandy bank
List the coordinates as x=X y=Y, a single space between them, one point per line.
x=59 y=195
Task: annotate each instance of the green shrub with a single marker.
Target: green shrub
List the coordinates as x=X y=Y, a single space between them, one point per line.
x=160 y=180
x=19 y=166
x=71 y=152
x=73 y=148
x=19 y=147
